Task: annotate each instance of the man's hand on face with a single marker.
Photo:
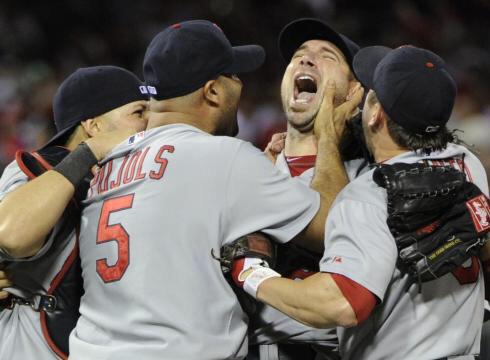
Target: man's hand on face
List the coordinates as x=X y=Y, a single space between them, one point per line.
x=275 y=146
x=330 y=121
x=102 y=143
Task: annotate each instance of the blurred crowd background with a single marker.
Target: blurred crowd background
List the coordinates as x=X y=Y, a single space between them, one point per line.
x=41 y=42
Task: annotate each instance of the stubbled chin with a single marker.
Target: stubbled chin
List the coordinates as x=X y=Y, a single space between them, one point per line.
x=302 y=121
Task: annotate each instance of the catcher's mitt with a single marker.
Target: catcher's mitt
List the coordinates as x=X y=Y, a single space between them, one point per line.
x=255 y=245
x=438 y=219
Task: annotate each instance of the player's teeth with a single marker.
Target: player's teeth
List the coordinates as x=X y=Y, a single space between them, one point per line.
x=306 y=77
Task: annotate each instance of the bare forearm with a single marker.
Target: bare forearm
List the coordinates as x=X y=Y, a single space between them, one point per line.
x=330 y=175
x=330 y=178
x=30 y=212
x=315 y=301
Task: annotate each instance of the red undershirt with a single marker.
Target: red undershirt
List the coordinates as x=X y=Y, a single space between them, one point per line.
x=299 y=164
x=360 y=299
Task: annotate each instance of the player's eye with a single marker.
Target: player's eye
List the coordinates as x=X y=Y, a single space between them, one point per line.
x=329 y=56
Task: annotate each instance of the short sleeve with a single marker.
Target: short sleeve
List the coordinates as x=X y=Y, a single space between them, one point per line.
x=261 y=197
x=11 y=179
x=359 y=245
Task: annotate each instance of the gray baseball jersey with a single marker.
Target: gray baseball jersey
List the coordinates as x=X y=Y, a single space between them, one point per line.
x=20 y=327
x=272 y=326
x=157 y=207
x=444 y=319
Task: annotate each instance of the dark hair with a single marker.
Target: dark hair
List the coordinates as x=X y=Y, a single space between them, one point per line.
x=412 y=141
x=409 y=140
x=352 y=143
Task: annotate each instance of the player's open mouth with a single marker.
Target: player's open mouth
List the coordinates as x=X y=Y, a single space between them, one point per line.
x=305 y=87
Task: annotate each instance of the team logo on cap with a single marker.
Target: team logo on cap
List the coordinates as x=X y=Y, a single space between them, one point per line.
x=480 y=212
x=148 y=90
x=432 y=129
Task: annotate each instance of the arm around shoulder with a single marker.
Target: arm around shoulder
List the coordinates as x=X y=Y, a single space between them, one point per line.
x=321 y=304
x=330 y=174
x=30 y=212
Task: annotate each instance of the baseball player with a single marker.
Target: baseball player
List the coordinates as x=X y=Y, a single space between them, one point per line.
x=316 y=53
x=168 y=197
x=359 y=271
x=98 y=107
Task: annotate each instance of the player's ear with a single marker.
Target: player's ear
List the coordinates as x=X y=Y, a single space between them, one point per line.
x=375 y=122
x=91 y=126
x=352 y=88
x=380 y=119
x=212 y=92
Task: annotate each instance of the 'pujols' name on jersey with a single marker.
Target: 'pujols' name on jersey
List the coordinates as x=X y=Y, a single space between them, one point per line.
x=129 y=171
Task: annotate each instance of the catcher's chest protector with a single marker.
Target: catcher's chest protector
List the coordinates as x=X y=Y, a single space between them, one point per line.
x=59 y=307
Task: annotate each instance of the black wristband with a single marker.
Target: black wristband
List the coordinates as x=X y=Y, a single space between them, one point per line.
x=77 y=164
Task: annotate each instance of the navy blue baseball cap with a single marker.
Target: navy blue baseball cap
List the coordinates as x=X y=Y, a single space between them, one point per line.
x=90 y=92
x=184 y=56
x=412 y=84
x=294 y=34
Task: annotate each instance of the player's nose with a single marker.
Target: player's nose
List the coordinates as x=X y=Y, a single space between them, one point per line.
x=307 y=60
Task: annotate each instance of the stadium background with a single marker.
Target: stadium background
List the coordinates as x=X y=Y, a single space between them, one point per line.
x=41 y=42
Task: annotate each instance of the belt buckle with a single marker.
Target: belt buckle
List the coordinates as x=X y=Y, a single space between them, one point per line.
x=47 y=303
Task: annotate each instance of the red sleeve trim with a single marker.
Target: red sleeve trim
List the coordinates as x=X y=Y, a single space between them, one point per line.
x=22 y=166
x=486 y=277
x=361 y=299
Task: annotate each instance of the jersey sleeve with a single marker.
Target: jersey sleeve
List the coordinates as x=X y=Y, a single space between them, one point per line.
x=12 y=178
x=261 y=197
x=359 y=245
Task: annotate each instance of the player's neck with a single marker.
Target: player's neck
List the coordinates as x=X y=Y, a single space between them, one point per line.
x=385 y=149
x=168 y=118
x=300 y=144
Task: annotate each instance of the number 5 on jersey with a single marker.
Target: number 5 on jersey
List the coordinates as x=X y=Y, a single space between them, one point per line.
x=115 y=232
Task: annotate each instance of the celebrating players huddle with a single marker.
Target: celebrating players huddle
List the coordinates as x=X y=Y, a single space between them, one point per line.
x=144 y=230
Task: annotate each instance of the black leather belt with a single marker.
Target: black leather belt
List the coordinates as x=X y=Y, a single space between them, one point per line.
x=38 y=302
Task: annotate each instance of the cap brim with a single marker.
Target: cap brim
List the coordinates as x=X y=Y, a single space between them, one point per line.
x=365 y=62
x=294 y=34
x=247 y=58
x=60 y=137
